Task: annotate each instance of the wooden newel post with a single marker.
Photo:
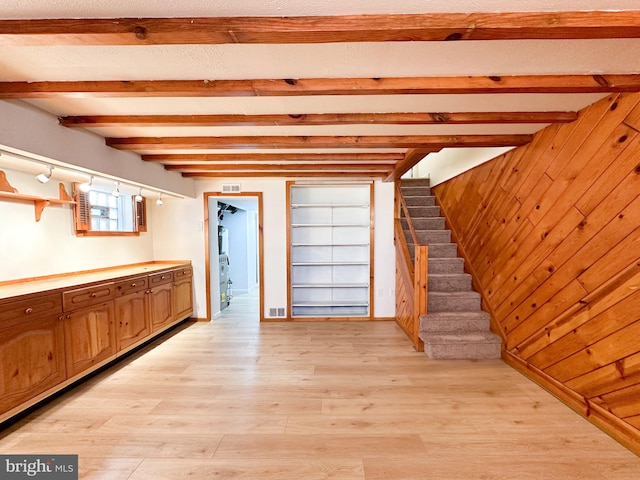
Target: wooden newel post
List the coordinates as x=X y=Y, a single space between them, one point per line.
x=420 y=292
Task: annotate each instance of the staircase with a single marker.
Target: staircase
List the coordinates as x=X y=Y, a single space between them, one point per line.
x=455 y=327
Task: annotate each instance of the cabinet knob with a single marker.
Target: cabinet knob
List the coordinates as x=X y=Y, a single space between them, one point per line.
x=61 y=317
x=133 y=284
x=28 y=310
x=162 y=277
x=94 y=295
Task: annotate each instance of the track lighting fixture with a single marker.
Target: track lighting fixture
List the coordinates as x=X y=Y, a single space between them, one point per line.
x=86 y=186
x=44 y=177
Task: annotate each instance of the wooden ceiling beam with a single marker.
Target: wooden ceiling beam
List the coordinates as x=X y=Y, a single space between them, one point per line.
x=413 y=118
x=323 y=86
x=274 y=157
x=371 y=141
x=338 y=167
x=322 y=29
x=411 y=159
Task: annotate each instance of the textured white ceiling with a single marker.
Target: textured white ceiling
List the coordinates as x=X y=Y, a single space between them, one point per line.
x=392 y=59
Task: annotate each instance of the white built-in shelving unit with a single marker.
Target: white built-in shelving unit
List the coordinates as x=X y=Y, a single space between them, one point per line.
x=330 y=250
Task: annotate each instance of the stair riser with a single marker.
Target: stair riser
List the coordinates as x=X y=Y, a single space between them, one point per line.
x=420 y=201
x=480 y=351
x=446 y=265
x=452 y=283
x=433 y=236
x=453 y=303
x=427 y=211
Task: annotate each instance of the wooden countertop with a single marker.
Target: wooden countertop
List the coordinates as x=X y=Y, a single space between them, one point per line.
x=51 y=284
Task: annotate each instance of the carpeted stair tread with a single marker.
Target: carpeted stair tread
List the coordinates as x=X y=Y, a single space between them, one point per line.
x=454 y=322
x=453 y=301
x=437 y=250
x=425 y=223
x=474 y=345
x=449 y=282
x=445 y=265
x=417 y=202
x=433 y=236
x=416 y=182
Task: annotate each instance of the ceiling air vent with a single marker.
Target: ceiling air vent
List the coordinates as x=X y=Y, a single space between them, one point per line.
x=231 y=188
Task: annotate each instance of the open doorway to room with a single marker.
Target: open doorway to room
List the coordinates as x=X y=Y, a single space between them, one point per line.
x=234 y=255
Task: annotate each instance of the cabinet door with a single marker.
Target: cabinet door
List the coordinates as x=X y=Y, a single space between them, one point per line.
x=89 y=336
x=161 y=306
x=132 y=318
x=183 y=300
x=31 y=360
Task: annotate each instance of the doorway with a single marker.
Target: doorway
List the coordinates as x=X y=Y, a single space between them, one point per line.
x=234 y=254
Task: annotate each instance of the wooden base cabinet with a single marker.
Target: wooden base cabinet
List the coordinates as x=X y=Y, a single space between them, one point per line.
x=183 y=293
x=89 y=336
x=133 y=322
x=161 y=306
x=31 y=360
x=52 y=337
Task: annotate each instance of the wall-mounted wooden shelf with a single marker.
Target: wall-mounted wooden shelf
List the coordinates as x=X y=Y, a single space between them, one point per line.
x=7 y=192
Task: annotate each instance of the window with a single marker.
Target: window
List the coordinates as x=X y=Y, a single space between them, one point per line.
x=101 y=213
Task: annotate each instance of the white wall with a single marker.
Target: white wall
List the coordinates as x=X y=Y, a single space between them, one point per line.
x=177 y=235
x=53 y=142
x=384 y=254
x=451 y=162
x=29 y=248
x=236 y=225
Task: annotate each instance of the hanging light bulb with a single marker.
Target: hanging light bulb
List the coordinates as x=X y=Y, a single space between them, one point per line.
x=159 y=201
x=44 y=177
x=86 y=186
x=116 y=191
x=139 y=195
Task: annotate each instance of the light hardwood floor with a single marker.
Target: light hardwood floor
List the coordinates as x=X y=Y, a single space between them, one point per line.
x=234 y=399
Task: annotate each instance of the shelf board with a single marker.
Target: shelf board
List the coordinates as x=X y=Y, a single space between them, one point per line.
x=297 y=225
x=325 y=264
x=7 y=192
x=330 y=304
x=329 y=244
x=329 y=205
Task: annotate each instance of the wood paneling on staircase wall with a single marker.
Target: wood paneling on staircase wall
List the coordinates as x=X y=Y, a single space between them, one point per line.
x=552 y=229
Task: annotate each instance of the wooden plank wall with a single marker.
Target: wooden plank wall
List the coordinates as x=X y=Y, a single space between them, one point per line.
x=404 y=294
x=552 y=230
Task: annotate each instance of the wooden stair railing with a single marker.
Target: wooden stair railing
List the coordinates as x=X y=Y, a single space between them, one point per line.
x=411 y=278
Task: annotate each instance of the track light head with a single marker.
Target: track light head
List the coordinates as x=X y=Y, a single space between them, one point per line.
x=86 y=186
x=45 y=177
x=159 y=201
x=116 y=191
